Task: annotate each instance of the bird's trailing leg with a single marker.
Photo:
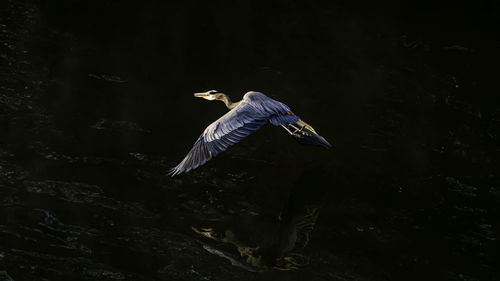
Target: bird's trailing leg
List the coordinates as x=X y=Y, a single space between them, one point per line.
x=286 y=128
x=294 y=133
x=297 y=129
x=298 y=132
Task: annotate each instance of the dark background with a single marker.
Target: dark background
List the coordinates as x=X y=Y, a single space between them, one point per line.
x=96 y=105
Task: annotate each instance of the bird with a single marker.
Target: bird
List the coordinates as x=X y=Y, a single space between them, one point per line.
x=244 y=118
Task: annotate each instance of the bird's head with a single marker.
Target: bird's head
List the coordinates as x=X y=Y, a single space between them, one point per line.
x=210 y=95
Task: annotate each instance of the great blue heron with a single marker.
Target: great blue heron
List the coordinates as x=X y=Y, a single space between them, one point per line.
x=244 y=118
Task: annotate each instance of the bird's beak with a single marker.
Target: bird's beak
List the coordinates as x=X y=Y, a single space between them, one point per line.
x=201 y=95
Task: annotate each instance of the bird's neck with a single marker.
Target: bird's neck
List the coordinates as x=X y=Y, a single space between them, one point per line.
x=227 y=101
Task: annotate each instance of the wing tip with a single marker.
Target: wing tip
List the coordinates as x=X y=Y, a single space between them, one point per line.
x=181 y=168
x=173 y=172
x=313 y=139
x=326 y=144
x=177 y=170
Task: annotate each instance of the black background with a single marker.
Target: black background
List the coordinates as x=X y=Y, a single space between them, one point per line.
x=97 y=105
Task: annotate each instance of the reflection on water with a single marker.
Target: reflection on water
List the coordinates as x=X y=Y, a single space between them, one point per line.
x=291 y=233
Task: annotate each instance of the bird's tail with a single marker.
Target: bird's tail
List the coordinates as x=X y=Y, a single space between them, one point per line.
x=305 y=134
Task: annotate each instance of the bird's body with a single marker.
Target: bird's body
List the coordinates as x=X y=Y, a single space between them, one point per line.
x=244 y=118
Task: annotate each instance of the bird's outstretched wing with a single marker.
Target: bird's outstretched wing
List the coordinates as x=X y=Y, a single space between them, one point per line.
x=228 y=130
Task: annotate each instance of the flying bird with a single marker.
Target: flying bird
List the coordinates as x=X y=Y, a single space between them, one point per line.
x=244 y=118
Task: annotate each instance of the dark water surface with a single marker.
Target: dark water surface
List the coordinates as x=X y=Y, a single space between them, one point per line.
x=96 y=105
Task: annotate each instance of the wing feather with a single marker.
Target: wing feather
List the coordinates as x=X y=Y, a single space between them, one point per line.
x=228 y=130
x=283 y=119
